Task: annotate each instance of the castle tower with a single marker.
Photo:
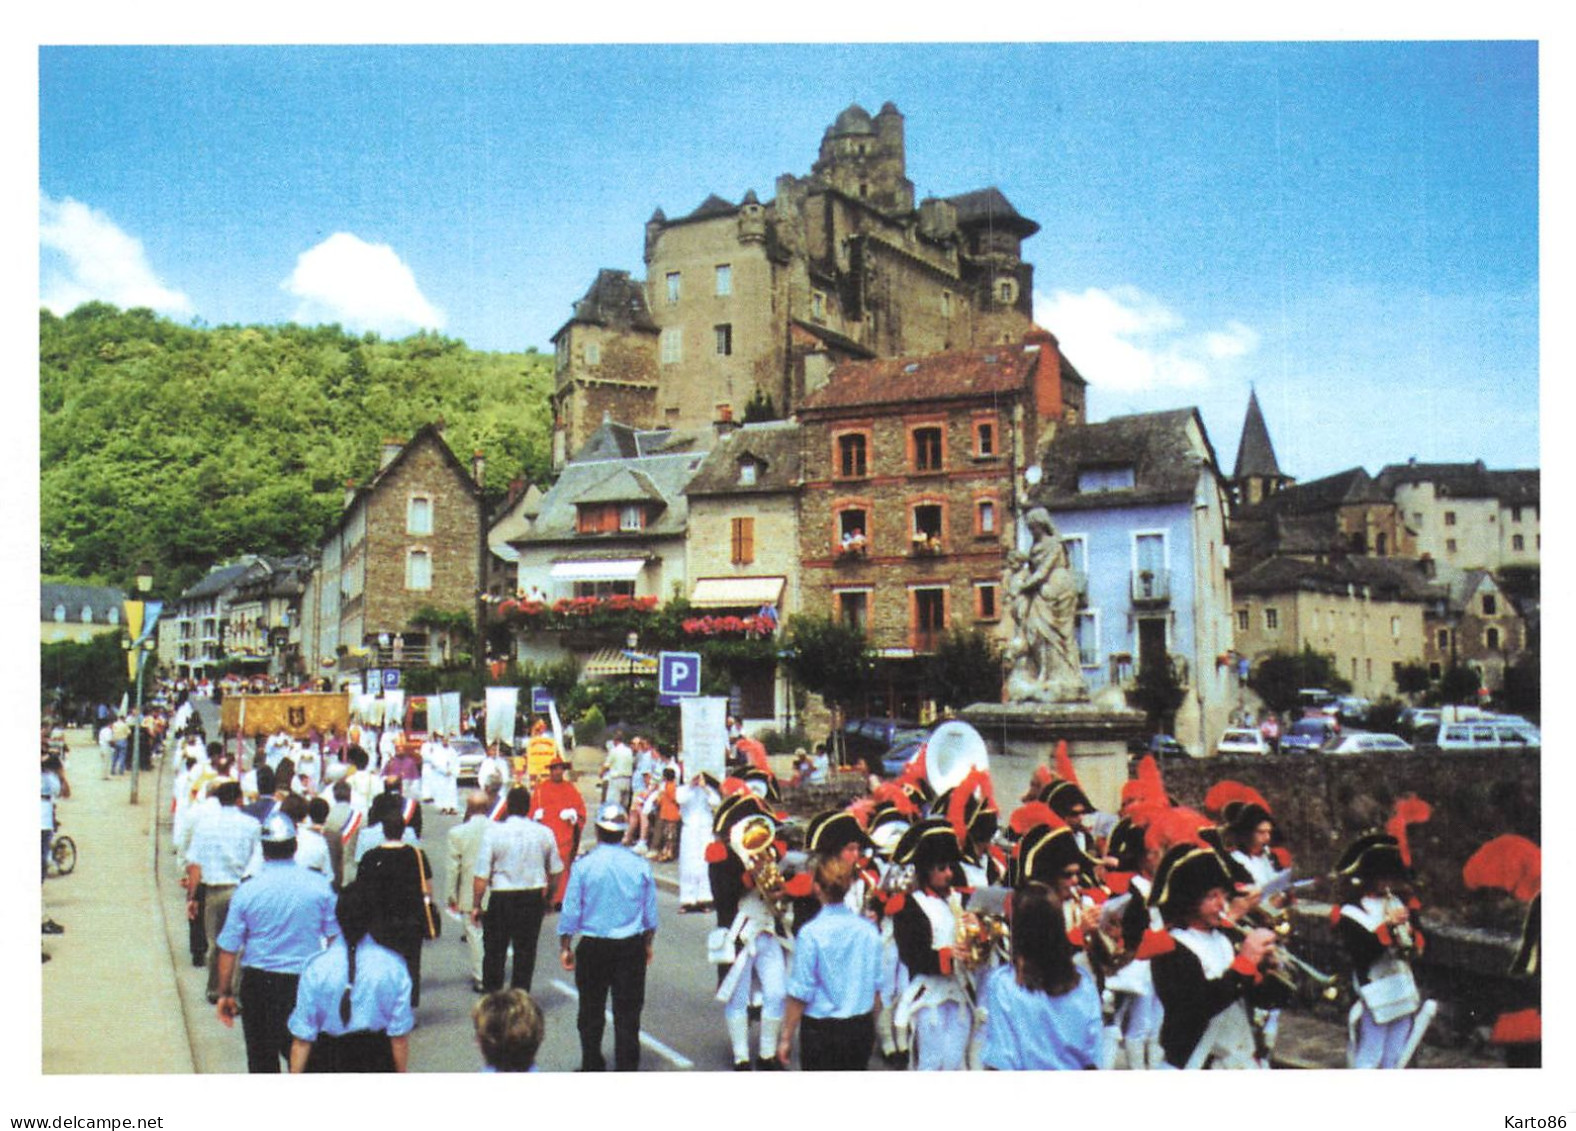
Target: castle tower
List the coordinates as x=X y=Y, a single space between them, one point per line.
x=863 y=157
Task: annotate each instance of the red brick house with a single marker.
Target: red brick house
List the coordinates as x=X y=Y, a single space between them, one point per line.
x=909 y=505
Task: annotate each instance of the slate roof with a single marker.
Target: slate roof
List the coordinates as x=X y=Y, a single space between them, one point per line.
x=615 y=300
x=622 y=485
x=1466 y=481
x=219 y=579
x=1397 y=579
x=854 y=120
x=1156 y=445
x=990 y=206
x=1255 y=453
x=612 y=440
x=775 y=446
x=955 y=375
x=1344 y=488
x=100 y=598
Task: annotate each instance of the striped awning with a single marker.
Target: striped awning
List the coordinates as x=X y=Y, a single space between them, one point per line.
x=598 y=569
x=736 y=592
x=606 y=662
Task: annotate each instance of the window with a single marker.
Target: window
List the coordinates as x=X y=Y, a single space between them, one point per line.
x=1092 y=479
x=748 y=470
x=853 y=607
x=724 y=280
x=593 y=353
x=1417 y=519
x=60 y=614
x=930 y=617
x=1395 y=628
x=984 y=438
x=1450 y=545
x=1272 y=620
x=1443 y=639
x=1242 y=620
x=1490 y=606
x=1515 y=514
x=604 y=588
x=946 y=304
x=418 y=515
x=114 y=617
x=927 y=527
x=817 y=306
x=674 y=287
x=1088 y=636
x=1434 y=670
x=632 y=516
x=927 y=448
x=418 y=570
x=851 y=455
x=743 y=541
x=724 y=339
x=853 y=531
x=1450 y=518
x=986 y=606
x=87 y=614
x=1517 y=542
x=1491 y=638
x=1006 y=290
x=672 y=345
x=985 y=517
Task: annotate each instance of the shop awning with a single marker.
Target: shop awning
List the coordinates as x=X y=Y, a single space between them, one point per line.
x=607 y=662
x=598 y=569
x=736 y=592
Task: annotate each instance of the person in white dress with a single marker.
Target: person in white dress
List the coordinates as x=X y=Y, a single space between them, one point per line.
x=444 y=766
x=698 y=799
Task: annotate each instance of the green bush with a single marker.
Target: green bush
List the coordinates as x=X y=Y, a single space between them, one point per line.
x=590 y=727
x=784 y=742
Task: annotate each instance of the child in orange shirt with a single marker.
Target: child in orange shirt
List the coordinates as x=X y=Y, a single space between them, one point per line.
x=665 y=837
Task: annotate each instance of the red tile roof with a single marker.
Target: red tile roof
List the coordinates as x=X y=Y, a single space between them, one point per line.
x=959 y=374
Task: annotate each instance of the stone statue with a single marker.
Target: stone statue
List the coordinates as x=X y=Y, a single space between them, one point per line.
x=1042 y=657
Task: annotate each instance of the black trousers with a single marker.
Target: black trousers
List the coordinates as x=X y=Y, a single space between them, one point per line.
x=360 y=1051
x=616 y=966
x=836 y=1044
x=196 y=931
x=513 y=917
x=266 y=1001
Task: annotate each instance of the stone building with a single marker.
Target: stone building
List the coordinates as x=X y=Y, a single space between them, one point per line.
x=1347 y=513
x=411 y=539
x=78 y=612
x=909 y=502
x=1466 y=516
x=1473 y=622
x=192 y=637
x=1365 y=612
x=1257 y=474
x=262 y=620
x=752 y=299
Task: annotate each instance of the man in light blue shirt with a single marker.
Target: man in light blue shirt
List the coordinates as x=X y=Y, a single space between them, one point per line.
x=611 y=901
x=832 y=987
x=281 y=918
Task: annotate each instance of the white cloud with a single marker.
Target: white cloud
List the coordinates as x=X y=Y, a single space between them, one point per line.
x=360 y=285
x=86 y=256
x=1123 y=339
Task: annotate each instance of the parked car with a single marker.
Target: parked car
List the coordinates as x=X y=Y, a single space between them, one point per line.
x=896 y=760
x=1352 y=709
x=1244 y=740
x=1485 y=734
x=1316 y=701
x=1309 y=735
x=864 y=737
x=1370 y=743
x=469 y=754
x=1414 y=719
x=1163 y=746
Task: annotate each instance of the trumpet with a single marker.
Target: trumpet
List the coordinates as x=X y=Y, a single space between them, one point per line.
x=977 y=938
x=1294 y=974
x=1400 y=930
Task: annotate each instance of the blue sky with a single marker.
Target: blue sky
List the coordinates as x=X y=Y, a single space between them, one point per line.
x=1350 y=227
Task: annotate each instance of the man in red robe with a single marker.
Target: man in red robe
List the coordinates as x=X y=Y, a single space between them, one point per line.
x=557 y=804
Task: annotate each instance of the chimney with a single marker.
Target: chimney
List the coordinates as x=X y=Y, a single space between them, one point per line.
x=724 y=422
x=478 y=467
x=391 y=447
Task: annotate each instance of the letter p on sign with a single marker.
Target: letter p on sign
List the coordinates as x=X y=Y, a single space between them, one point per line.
x=678 y=673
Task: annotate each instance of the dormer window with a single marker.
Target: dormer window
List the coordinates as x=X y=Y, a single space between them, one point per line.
x=632 y=516
x=87 y=612
x=1091 y=479
x=748 y=469
x=60 y=614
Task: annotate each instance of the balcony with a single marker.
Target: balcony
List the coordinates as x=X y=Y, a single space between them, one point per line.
x=1151 y=587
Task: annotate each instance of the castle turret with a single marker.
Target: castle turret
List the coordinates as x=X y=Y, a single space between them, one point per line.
x=863 y=157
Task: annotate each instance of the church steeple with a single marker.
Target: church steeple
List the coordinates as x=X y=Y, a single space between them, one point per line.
x=1257 y=474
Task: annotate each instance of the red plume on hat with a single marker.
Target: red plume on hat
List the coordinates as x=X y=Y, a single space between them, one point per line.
x=732 y=786
x=1032 y=815
x=1064 y=763
x=900 y=798
x=1410 y=810
x=976 y=781
x=1223 y=793
x=861 y=808
x=1037 y=781
x=1175 y=826
x=915 y=770
x=1148 y=785
x=1511 y=863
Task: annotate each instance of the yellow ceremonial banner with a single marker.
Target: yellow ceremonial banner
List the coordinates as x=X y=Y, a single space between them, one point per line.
x=296 y=713
x=133 y=614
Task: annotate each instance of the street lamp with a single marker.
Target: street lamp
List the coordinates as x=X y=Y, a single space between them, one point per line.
x=143 y=648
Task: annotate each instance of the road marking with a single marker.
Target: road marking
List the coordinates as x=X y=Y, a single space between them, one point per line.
x=647 y=1041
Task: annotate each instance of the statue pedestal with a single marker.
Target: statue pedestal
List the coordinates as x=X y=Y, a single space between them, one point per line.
x=1023 y=736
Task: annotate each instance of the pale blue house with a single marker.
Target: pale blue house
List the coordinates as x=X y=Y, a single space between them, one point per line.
x=1141 y=505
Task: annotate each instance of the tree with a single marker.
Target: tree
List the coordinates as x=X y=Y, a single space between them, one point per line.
x=1281 y=675
x=1412 y=679
x=966 y=668
x=86 y=672
x=832 y=659
x=759 y=408
x=1522 y=692
x=1459 y=684
x=1158 y=693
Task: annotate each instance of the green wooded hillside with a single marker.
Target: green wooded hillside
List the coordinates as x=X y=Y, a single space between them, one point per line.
x=184 y=446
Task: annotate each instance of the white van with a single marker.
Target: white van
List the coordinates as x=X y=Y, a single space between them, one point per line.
x=1488 y=734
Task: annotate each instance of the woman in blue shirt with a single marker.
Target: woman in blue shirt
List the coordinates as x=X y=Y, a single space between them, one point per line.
x=352 y=1011
x=1042 y=1011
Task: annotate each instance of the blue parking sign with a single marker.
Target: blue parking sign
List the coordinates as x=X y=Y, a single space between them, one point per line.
x=390 y=679
x=541 y=698
x=678 y=673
